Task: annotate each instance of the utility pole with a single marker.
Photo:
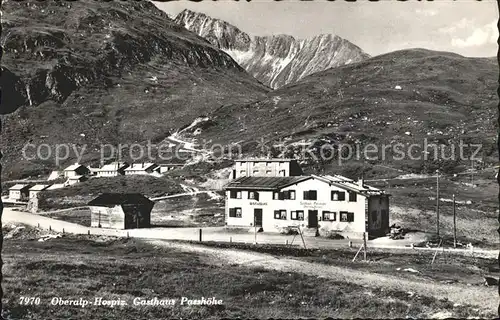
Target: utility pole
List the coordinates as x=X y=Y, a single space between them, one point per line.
x=364 y=246
x=472 y=172
x=454 y=224
x=255 y=229
x=437 y=202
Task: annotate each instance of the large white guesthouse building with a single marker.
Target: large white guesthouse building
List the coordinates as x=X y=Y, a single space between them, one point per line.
x=324 y=203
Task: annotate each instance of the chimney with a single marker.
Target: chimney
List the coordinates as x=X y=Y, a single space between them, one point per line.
x=361 y=182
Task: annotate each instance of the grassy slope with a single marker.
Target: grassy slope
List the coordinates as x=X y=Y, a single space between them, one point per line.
x=444 y=98
x=125 y=269
x=114 y=72
x=79 y=194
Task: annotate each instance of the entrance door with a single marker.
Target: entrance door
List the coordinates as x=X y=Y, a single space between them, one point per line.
x=312 y=220
x=257 y=217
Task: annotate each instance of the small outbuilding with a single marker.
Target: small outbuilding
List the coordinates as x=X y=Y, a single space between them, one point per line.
x=36 y=189
x=112 y=169
x=141 y=168
x=19 y=192
x=121 y=211
x=76 y=170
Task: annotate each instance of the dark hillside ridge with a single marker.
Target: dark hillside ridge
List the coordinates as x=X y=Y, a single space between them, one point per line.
x=109 y=72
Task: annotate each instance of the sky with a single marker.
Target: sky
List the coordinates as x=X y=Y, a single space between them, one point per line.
x=466 y=27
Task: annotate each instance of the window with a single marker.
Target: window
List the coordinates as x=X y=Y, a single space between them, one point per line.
x=255 y=172
x=282 y=173
x=268 y=164
x=374 y=216
x=253 y=195
x=280 y=214
x=353 y=197
x=329 y=216
x=269 y=172
x=297 y=215
x=278 y=196
x=235 y=212
x=310 y=195
x=284 y=195
x=234 y=194
x=243 y=173
x=338 y=195
x=346 y=216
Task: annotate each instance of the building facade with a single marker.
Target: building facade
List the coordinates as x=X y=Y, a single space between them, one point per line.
x=140 y=168
x=74 y=180
x=19 y=192
x=324 y=203
x=36 y=189
x=112 y=169
x=76 y=170
x=121 y=211
x=266 y=168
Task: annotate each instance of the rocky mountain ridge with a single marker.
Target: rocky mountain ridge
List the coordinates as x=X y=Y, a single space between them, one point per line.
x=109 y=72
x=274 y=60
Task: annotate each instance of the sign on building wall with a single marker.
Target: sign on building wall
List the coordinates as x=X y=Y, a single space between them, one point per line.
x=312 y=204
x=257 y=203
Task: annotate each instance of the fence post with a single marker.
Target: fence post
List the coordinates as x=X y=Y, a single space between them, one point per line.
x=50 y=228
x=230 y=239
x=89 y=232
x=364 y=245
x=200 y=234
x=63 y=230
x=350 y=244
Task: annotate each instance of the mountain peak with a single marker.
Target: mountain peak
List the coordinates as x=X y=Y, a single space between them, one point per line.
x=275 y=60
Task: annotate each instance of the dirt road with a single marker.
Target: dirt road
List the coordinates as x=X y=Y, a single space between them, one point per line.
x=217 y=234
x=484 y=298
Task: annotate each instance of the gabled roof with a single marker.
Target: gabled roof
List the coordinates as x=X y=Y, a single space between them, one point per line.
x=39 y=187
x=349 y=184
x=265 y=183
x=113 y=166
x=107 y=199
x=56 y=186
x=19 y=187
x=73 y=167
x=140 y=166
x=265 y=160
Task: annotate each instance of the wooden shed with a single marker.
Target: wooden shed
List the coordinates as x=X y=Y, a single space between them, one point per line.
x=121 y=211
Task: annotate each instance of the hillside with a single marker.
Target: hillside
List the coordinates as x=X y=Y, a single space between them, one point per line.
x=408 y=96
x=274 y=60
x=108 y=72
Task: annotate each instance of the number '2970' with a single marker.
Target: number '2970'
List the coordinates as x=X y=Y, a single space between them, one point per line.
x=29 y=300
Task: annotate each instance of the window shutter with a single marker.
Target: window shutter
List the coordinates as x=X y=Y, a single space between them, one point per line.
x=341 y=196
x=306 y=195
x=256 y=196
x=232 y=212
x=313 y=195
x=276 y=214
x=350 y=216
x=281 y=196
